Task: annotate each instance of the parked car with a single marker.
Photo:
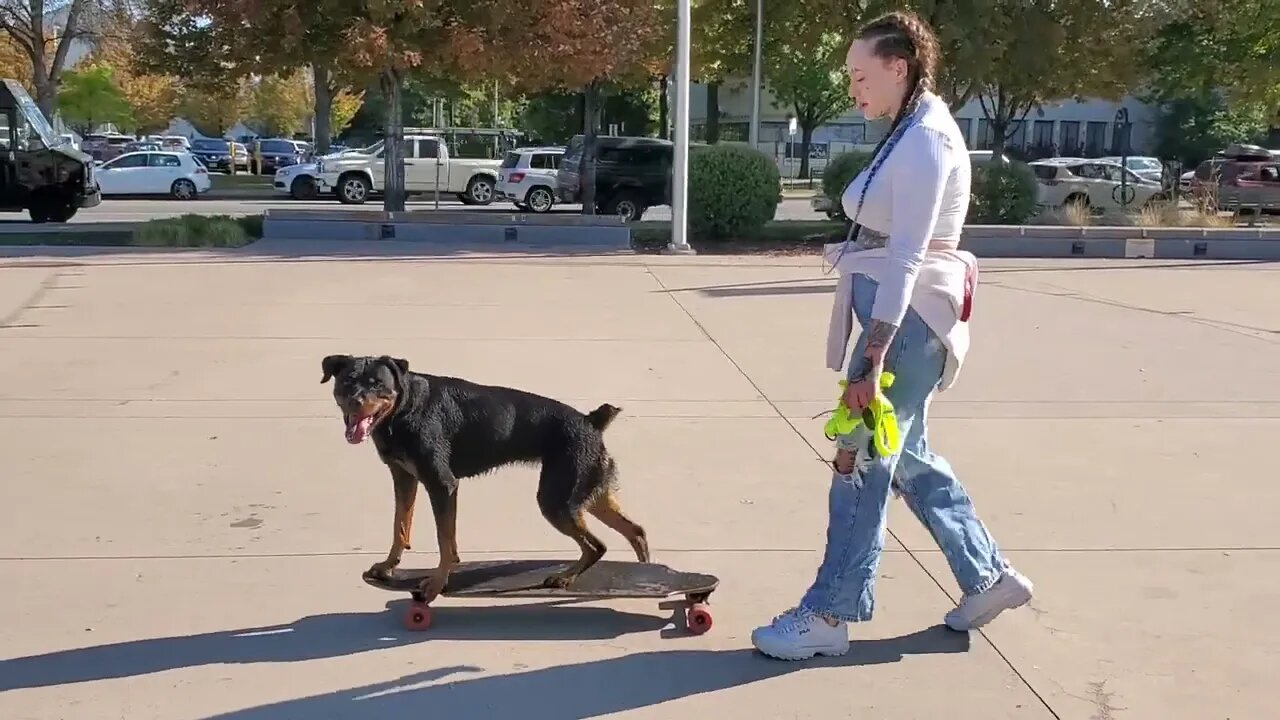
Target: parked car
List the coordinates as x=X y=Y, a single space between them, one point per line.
x=216 y=153
x=527 y=177
x=354 y=177
x=176 y=174
x=1248 y=179
x=40 y=173
x=1092 y=184
x=275 y=153
x=633 y=174
x=301 y=182
x=1149 y=168
x=141 y=146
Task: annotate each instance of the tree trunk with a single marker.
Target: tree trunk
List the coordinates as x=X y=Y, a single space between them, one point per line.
x=806 y=139
x=393 y=133
x=323 y=108
x=587 y=171
x=713 y=113
x=664 y=120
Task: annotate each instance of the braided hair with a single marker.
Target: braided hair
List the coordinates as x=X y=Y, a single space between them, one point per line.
x=904 y=35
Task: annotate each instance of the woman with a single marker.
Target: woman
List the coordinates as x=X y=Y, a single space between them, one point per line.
x=910 y=288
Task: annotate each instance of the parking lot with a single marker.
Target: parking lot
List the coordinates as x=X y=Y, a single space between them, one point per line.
x=183 y=525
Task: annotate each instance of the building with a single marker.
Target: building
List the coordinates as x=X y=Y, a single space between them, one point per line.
x=1073 y=127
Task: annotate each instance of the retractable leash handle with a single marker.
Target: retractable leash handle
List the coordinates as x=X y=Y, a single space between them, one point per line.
x=879 y=418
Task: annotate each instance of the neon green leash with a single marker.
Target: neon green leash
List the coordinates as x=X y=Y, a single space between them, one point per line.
x=878 y=417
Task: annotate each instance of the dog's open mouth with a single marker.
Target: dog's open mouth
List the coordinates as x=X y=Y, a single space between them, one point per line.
x=362 y=422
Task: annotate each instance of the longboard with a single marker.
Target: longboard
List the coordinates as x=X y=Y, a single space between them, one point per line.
x=524 y=578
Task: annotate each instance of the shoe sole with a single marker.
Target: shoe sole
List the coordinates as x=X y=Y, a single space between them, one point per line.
x=793 y=658
x=986 y=618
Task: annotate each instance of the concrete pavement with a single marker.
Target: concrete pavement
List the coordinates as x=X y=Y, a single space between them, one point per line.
x=182 y=524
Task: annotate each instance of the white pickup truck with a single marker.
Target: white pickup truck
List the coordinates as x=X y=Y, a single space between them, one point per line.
x=353 y=177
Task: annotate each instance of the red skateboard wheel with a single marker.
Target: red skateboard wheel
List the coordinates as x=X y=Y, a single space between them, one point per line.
x=417 y=616
x=699 y=619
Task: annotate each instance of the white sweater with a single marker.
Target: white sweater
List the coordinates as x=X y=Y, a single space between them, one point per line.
x=919 y=198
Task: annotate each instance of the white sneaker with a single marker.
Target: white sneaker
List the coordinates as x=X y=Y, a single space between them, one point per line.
x=799 y=634
x=1010 y=591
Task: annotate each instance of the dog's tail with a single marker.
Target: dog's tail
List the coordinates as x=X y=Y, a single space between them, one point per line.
x=602 y=416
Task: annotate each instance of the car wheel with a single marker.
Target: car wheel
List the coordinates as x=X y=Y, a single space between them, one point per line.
x=51 y=208
x=540 y=199
x=353 y=189
x=183 y=189
x=626 y=205
x=303 y=188
x=480 y=190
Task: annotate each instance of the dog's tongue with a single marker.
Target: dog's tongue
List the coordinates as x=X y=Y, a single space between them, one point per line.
x=358 y=428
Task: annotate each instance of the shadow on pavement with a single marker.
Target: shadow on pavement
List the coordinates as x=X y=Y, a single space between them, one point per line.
x=583 y=690
x=322 y=636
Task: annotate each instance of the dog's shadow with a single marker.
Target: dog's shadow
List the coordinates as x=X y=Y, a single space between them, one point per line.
x=324 y=636
x=583 y=690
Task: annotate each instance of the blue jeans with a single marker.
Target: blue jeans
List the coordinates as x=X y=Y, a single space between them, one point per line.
x=857 y=502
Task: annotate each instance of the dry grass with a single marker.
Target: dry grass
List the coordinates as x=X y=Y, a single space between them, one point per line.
x=1202 y=214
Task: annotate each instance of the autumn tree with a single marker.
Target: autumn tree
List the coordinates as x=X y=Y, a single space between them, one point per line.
x=577 y=46
x=89 y=97
x=722 y=47
x=29 y=25
x=153 y=97
x=280 y=105
x=16 y=64
x=215 y=108
x=343 y=108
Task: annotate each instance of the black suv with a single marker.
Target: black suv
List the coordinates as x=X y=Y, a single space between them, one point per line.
x=39 y=172
x=633 y=174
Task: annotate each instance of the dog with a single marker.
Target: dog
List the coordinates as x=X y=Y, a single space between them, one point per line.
x=435 y=430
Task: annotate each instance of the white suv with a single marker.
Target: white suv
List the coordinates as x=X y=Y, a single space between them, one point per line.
x=528 y=177
x=1092 y=183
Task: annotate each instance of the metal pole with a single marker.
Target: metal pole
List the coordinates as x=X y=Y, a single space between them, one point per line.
x=753 y=133
x=680 y=164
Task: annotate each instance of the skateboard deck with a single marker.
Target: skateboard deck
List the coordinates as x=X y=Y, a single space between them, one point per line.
x=525 y=578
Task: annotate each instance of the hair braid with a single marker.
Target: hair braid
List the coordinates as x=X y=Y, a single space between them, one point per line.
x=904 y=35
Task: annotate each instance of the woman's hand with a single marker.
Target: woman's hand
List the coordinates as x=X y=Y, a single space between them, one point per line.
x=862 y=388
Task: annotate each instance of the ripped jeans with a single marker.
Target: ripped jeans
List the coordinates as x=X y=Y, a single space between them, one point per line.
x=857 y=502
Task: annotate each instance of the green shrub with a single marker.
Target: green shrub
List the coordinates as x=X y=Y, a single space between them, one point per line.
x=840 y=171
x=1002 y=194
x=733 y=190
x=217 y=231
x=252 y=225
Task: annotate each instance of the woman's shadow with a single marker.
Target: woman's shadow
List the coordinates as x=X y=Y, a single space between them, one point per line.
x=583 y=690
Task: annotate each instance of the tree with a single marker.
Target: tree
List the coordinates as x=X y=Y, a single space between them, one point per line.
x=1037 y=51
x=722 y=46
x=27 y=23
x=343 y=109
x=152 y=97
x=215 y=108
x=578 y=45
x=15 y=63
x=280 y=105
x=90 y=97
x=805 y=65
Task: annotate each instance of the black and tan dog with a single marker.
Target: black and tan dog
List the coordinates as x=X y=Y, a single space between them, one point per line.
x=436 y=430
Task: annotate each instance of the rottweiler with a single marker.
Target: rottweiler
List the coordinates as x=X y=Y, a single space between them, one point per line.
x=436 y=430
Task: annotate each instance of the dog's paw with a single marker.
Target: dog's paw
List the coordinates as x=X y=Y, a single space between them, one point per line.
x=380 y=571
x=559 y=582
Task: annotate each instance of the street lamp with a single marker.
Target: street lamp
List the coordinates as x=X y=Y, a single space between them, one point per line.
x=680 y=161
x=1122 y=146
x=753 y=133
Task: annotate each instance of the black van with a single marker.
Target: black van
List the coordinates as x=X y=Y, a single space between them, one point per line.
x=39 y=172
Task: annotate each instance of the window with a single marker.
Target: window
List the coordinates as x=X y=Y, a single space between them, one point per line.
x=1069 y=137
x=1043 y=133
x=210 y=145
x=278 y=146
x=546 y=161
x=1017 y=134
x=428 y=148
x=163 y=160
x=1095 y=138
x=966 y=126
x=511 y=160
x=127 y=161
x=1045 y=172
x=984 y=134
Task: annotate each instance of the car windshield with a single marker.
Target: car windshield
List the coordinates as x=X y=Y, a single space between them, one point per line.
x=278 y=146
x=31 y=112
x=210 y=145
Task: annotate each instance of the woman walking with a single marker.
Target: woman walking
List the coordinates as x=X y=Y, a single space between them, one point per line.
x=903 y=277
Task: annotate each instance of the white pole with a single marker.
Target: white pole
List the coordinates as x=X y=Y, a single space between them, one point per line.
x=753 y=133
x=680 y=164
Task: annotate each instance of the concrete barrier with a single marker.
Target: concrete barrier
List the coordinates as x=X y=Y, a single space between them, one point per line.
x=603 y=232
x=1047 y=241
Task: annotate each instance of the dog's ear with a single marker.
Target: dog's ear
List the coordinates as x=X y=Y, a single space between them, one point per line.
x=334 y=364
x=399 y=363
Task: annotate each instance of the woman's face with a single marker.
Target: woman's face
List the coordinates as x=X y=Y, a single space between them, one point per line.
x=876 y=85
